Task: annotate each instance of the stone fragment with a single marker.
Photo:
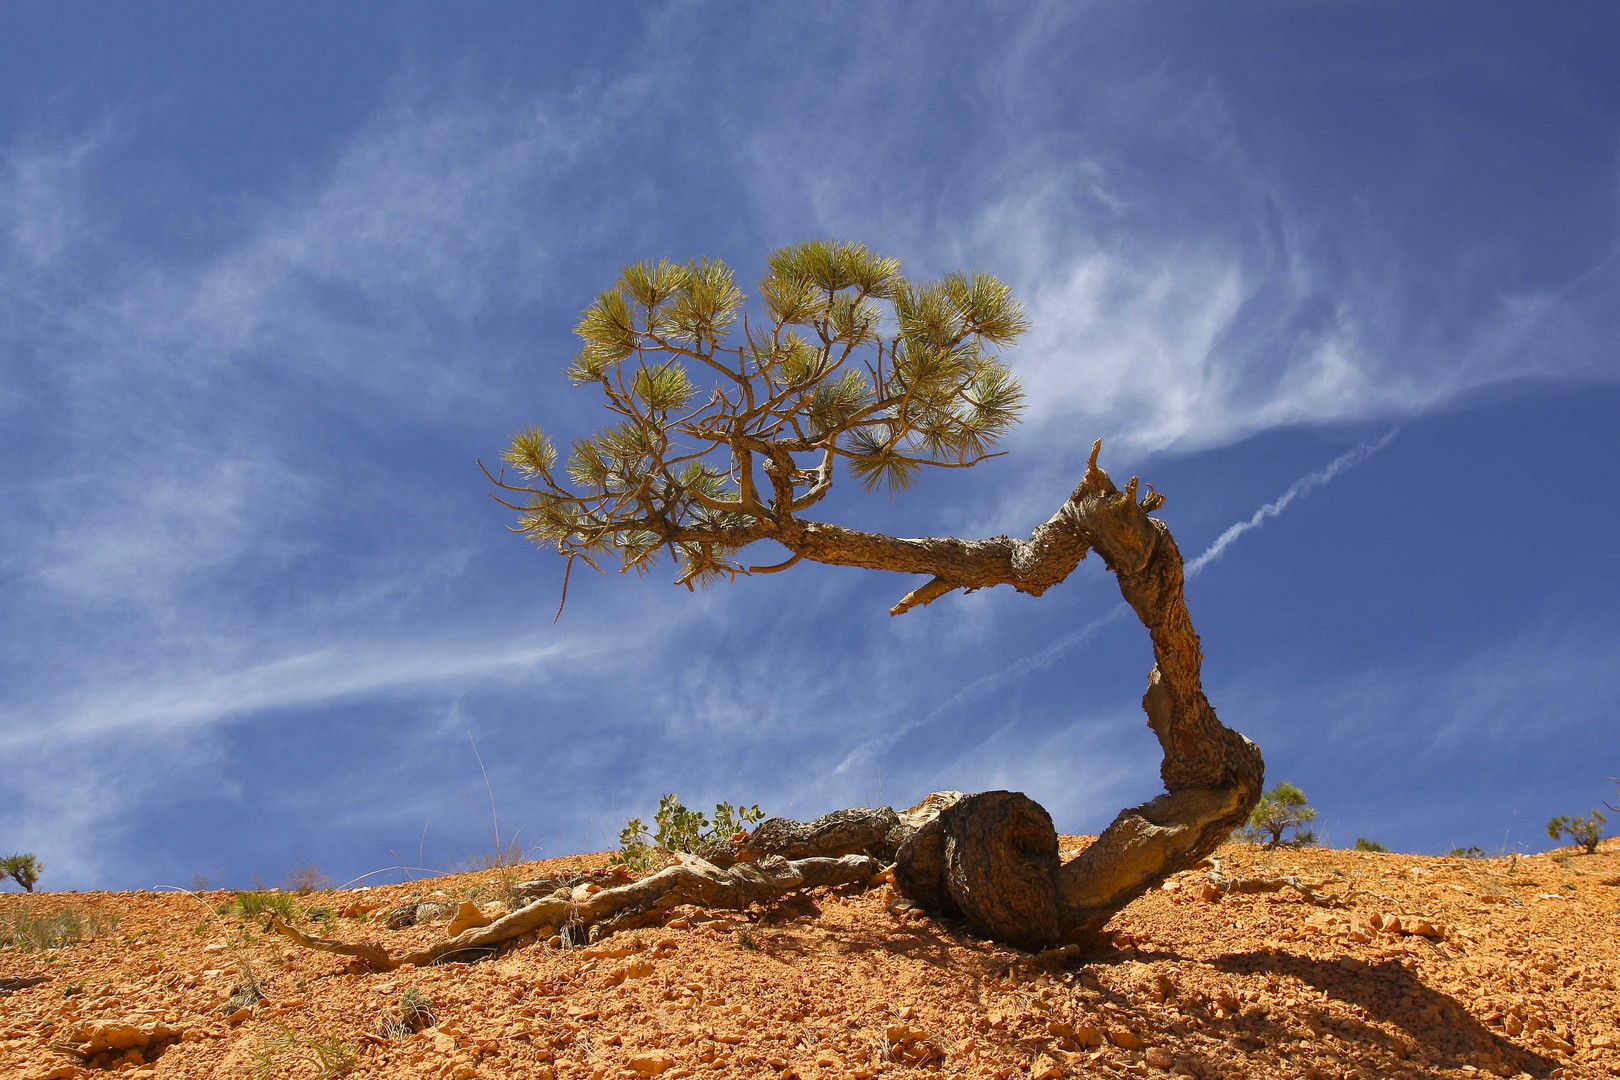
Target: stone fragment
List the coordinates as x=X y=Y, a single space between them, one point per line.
x=652 y=1062
x=1126 y=1039
x=1045 y=1068
x=1159 y=1058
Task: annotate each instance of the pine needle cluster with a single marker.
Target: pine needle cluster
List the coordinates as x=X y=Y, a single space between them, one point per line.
x=844 y=364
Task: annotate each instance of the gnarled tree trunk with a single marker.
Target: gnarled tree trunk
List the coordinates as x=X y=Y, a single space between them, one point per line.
x=993 y=857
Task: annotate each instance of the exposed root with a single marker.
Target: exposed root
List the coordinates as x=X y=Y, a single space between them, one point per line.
x=692 y=881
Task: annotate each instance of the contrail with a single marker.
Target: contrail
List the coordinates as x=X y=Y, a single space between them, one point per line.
x=1349 y=459
x=1055 y=651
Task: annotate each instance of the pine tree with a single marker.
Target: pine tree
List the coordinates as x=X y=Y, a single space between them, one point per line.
x=729 y=426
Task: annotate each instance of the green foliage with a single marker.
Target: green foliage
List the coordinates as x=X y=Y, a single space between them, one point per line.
x=33 y=931
x=1586 y=832
x=1473 y=851
x=1280 y=810
x=680 y=829
x=331 y=1056
x=23 y=869
x=1364 y=844
x=258 y=902
x=848 y=364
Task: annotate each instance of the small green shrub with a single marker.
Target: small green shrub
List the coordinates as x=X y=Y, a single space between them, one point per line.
x=1364 y=844
x=250 y=905
x=35 y=931
x=680 y=829
x=411 y=1013
x=23 y=869
x=1586 y=832
x=1472 y=851
x=1281 y=809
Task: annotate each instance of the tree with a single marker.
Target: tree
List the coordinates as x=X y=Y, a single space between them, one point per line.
x=1585 y=831
x=1282 y=808
x=851 y=368
x=23 y=869
x=1364 y=844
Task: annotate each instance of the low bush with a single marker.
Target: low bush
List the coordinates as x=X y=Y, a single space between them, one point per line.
x=680 y=829
x=1364 y=844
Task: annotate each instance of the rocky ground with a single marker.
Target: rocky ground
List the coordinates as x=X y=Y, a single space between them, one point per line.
x=1434 y=967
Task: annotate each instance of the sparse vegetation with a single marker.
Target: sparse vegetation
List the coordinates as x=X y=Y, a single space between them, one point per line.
x=1586 y=831
x=23 y=869
x=252 y=904
x=1472 y=851
x=680 y=829
x=36 y=931
x=331 y=1056
x=1364 y=844
x=410 y=1014
x=1282 y=809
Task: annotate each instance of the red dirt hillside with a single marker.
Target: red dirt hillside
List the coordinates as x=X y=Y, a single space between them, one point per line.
x=1433 y=967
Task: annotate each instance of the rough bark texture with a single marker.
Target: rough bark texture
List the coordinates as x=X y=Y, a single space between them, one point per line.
x=875 y=832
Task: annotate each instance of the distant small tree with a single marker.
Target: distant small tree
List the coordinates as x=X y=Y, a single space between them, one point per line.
x=1585 y=831
x=23 y=869
x=306 y=877
x=1282 y=808
x=1364 y=844
x=1472 y=851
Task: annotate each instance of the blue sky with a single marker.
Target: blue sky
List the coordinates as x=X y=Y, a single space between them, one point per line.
x=271 y=279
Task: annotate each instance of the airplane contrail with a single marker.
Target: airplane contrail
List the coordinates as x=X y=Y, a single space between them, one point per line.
x=1066 y=644
x=1347 y=460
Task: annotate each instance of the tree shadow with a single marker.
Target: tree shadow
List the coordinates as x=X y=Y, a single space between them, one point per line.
x=1446 y=1035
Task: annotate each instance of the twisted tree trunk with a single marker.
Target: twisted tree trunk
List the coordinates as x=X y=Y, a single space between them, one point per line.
x=993 y=857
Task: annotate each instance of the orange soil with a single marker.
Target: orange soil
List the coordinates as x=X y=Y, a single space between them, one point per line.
x=1519 y=976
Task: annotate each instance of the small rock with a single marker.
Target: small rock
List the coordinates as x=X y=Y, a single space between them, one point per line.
x=652 y=1062
x=1045 y=1068
x=467 y=917
x=1126 y=1040
x=1160 y=1058
x=1351 y=963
